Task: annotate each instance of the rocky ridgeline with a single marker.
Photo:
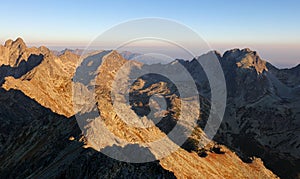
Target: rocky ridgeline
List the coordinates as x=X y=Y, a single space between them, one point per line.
x=40 y=137
x=45 y=76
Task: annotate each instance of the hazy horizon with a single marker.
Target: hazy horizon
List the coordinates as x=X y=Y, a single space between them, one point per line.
x=267 y=27
x=271 y=54
x=280 y=57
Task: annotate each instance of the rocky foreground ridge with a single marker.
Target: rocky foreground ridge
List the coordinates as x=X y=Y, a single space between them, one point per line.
x=40 y=137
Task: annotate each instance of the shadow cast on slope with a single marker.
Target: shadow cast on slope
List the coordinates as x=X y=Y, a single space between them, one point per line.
x=86 y=72
x=21 y=69
x=35 y=142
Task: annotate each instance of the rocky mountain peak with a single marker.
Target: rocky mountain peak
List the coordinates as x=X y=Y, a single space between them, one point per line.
x=112 y=59
x=12 y=51
x=17 y=44
x=246 y=59
x=8 y=43
x=44 y=50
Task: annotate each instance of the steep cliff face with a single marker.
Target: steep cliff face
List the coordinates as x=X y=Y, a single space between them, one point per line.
x=41 y=137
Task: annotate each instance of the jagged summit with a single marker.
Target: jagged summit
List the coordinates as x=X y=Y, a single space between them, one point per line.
x=18 y=43
x=247 y=59
x=242 y=58
x=12 y=53
x=8 y=43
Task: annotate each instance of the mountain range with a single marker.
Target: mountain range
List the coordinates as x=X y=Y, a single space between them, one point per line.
x=40 y=137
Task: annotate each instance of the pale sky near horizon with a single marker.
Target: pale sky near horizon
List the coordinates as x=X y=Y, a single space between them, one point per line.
x=270 y=27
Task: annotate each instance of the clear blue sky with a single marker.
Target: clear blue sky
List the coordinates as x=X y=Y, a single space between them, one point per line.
x=270 y=27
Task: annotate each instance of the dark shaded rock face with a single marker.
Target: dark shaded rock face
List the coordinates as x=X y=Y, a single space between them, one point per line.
x=21 y=69
x=34 y=143
x=263 y=112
